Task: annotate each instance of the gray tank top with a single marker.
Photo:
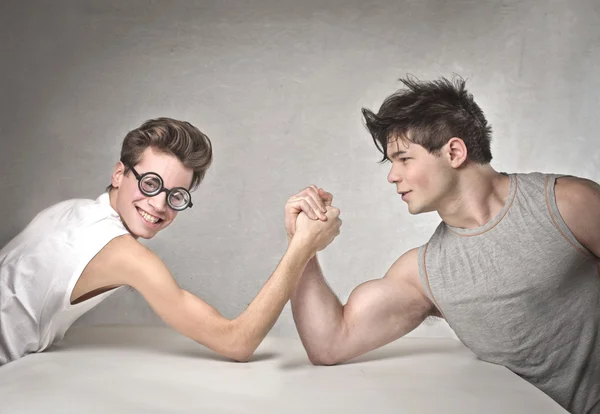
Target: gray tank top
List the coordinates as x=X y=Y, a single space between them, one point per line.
x=522 y=292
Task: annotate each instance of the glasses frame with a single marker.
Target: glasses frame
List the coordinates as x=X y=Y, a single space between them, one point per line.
x=162 y=189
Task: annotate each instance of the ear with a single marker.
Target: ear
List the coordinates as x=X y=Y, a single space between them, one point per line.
x=457 y=152
x=118 y=174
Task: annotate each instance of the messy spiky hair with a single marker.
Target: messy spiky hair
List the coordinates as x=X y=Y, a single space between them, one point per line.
x=430 y=113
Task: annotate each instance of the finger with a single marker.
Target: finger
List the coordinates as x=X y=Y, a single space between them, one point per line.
x=312 y=196
x=318 y=205
x=325 y=196
x=293 y=204
x=333 y=212
x=311 y=189
x=316 y=208
x=308 y=209
x=313 y=192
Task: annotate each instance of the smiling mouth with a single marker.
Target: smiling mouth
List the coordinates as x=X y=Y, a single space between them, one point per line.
x=148 y=218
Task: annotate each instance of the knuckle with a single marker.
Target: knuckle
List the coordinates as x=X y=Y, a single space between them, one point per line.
x=293 y=201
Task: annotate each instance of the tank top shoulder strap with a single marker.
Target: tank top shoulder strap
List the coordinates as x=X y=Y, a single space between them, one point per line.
x=425 y=277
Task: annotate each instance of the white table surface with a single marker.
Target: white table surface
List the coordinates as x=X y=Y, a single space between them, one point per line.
x=156 y=370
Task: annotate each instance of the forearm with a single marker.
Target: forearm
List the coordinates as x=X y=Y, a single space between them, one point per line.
x=255 y=322
x=318 y=314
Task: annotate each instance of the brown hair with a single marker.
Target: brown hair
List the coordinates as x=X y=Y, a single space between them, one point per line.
x=178 y=138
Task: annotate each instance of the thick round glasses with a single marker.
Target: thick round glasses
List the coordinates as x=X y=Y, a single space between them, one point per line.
x=151 y=184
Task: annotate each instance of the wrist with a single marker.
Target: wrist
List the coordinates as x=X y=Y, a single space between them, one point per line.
x=302 y=246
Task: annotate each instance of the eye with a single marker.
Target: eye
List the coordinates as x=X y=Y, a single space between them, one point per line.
x=151 y=184
x=179 y=198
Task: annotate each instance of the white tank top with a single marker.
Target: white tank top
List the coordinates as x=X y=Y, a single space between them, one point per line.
x=40 y=267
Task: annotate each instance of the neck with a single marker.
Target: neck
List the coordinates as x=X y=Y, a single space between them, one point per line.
x=112 y=196
x=113 y=199
x=479 y=195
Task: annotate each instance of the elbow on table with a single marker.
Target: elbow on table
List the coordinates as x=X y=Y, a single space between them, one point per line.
x=240 y=354
x=241 y=345
x=326 y=357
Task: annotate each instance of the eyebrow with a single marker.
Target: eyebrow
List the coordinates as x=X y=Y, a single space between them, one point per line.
x=396 y=154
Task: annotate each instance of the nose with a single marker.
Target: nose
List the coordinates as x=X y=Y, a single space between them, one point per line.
x=393 y=176
x=159 y=202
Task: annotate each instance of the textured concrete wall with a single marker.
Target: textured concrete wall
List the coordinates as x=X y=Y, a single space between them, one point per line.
x=278 y=86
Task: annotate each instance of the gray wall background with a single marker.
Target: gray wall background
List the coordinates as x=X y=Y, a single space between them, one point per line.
x=278 y=87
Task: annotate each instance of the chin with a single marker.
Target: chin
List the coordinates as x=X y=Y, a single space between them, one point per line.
x=149 y=233
x=141 y=232
x=414 y=210
x=145 y=236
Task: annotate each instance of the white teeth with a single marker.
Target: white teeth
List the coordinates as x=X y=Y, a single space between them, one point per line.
x=149 y=218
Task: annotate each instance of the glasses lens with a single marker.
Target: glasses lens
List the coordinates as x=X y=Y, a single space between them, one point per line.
x=151 y=184
x=179 y=198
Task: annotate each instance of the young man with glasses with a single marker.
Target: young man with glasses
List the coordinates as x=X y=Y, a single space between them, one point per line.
x=76 y=253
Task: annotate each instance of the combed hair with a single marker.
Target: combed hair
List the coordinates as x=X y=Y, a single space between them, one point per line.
x=178 y=138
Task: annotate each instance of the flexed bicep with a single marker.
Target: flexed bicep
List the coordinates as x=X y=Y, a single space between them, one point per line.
x=381 y=311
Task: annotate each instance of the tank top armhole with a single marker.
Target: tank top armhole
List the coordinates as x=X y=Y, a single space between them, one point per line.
x=425 y=277
x=557 y=219
x=93 y=246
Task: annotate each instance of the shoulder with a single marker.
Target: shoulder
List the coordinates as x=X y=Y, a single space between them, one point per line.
x=405 y=271
x=128 y=262
x=129 y=252
x=406 y=266
x=78 y=212
x=578 y=201
x=581 y=188
x=404 y=275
